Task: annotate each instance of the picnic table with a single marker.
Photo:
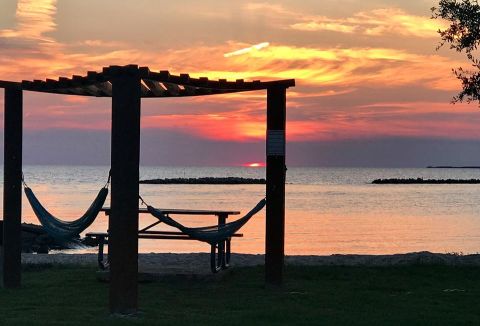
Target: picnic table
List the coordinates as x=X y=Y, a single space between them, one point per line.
x=219 y=254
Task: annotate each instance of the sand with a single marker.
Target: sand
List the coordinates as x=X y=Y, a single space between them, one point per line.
x=199 y=262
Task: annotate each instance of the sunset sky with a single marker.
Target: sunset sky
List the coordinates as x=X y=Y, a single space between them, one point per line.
x=371 y=88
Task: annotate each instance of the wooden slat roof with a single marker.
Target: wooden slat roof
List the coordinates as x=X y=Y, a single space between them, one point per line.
x=154 y=84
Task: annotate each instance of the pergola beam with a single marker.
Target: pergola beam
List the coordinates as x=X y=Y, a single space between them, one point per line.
x=181 y=85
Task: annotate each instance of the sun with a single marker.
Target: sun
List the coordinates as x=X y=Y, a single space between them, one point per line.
x=255 y=165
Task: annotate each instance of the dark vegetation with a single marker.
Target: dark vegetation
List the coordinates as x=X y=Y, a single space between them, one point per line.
x=407 y=295
x=463 y=35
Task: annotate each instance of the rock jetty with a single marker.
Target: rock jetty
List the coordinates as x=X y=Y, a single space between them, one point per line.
x=426 y=181
x=452 y=167
x=206 y=180
x=35 y=239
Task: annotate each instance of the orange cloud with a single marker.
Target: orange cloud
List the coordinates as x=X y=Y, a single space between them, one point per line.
x=325 y=24
x=321 y=67
x=229 y=127
x=378 y=22
x=34 y=20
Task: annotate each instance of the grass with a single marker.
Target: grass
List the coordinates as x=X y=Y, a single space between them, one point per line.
x=411 y=295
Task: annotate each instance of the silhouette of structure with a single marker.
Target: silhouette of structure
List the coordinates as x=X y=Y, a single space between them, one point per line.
x=126 y=85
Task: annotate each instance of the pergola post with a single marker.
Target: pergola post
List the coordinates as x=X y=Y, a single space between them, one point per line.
x=275 y=210
x=123 y=220
x=12 y=189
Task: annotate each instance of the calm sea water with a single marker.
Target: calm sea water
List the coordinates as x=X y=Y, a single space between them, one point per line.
x=328 y=210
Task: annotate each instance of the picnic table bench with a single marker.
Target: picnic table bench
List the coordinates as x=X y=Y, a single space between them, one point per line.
x=219 y=254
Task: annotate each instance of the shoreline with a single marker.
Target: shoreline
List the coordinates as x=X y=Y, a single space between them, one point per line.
x=200 y=261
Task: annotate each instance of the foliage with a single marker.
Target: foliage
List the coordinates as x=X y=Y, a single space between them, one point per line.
x=463 y=35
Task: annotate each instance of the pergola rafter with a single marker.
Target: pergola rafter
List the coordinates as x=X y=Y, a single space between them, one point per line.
x=127 y=85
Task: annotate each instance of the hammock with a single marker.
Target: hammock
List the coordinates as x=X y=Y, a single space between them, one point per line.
x=66 y=231
x=210 y=234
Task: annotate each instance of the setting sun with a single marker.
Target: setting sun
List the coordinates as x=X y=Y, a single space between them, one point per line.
x=255 y=165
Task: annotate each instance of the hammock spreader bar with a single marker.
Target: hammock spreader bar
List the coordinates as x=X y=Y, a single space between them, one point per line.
x=211 y=234
x=66 y=231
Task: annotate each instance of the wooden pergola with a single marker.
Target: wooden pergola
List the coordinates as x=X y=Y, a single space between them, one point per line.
x=126 y=85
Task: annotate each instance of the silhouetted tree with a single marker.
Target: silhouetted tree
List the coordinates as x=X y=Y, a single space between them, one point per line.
x=463 y=35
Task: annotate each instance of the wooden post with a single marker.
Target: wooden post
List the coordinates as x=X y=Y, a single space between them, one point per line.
x=12 y=189
x=123 y=219
x=275 y=210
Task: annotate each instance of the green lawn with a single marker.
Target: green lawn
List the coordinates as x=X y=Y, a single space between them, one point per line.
x=413 y=295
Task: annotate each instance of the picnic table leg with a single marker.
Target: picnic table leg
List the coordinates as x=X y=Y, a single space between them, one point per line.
x=222 y=219
x=215 y=263
x=101 y=243
x=226 y=261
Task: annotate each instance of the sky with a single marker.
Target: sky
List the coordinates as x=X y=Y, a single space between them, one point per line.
x=372 y=90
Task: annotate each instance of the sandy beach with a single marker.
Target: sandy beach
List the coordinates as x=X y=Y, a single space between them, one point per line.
x=198 y=263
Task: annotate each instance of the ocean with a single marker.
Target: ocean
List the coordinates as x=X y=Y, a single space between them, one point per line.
x=328 y=210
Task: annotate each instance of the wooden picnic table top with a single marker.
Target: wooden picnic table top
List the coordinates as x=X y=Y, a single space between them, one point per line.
x=179 y=211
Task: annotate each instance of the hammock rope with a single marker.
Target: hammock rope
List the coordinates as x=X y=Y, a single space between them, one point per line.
x=60 y=230
x=211 y=234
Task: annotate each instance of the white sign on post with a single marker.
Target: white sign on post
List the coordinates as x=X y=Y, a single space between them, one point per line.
x=276 y=143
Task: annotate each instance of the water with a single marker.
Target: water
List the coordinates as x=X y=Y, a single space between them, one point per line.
x=328 y=210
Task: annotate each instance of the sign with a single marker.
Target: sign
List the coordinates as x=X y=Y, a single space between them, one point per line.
x=276 y=143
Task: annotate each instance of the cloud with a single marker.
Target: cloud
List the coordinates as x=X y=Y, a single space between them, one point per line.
x=389 y=21
x=320 y=73
x=348 y=67
x=324 y=76
x=325 y=24
x=34 y=54
x=255 y=47
x=102 y=44
x=394 y=21
x=35 y=18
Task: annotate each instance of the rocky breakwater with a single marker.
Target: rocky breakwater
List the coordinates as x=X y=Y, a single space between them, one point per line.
x=426 y=181
x=206 y=180
x=35 y=239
